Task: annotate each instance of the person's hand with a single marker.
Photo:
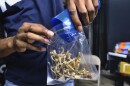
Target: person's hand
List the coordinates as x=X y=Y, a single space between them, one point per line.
x=87 y=9
x=27 y=34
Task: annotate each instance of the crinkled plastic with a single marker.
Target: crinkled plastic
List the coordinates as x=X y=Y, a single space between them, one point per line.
x=69 y=54
x=65 y=28
x=69 y=60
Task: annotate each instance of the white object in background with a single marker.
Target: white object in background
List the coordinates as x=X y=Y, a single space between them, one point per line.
x=1 y=68
x=96 y=61
x=115 y=54
x=9 y=2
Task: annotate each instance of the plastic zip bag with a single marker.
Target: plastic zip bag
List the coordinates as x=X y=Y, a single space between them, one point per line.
x=69 y=55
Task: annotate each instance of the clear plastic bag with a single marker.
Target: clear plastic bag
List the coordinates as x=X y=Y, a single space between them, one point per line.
x=69 y=57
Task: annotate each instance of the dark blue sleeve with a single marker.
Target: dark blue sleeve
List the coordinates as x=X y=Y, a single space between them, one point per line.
x=0 y=15
x=0 y=11
x=1 y=29
x=2 y=35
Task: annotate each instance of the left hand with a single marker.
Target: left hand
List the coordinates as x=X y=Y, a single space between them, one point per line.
x=87 y=9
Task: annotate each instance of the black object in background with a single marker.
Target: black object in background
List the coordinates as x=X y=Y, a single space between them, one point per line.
x=118 y=22
x=111 y=26
x=100 y=34
x=118 y=30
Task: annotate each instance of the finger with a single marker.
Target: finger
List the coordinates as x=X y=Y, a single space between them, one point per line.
x=41 y=30
x=90 y=9
x=30 y=41
x=95 y=4
x=36 y=28
x=21 y=49
x=32 y=36
x=35 y=48
x=73 y=14
x=24 y=27
x=21 y=46
x=82 y=11
x=17 y=45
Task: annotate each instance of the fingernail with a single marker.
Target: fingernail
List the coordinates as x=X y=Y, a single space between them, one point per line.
x=30 y=41
x=46 y=41
x=43 y=49
x=80 y=28
x=50 y=33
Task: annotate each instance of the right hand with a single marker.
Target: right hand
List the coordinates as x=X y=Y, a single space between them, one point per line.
x=27 y=34
x=87 y=10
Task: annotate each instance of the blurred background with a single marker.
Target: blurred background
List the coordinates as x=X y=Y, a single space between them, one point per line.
x=111 y=26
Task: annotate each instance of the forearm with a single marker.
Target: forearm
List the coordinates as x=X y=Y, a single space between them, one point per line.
x=6 y=47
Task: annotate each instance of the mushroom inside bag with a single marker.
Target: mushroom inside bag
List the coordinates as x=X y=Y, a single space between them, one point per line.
x=69 y=57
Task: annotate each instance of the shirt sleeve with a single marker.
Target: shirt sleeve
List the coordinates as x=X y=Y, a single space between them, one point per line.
x=2 y=35
x=0 y=15
x=0 y=11
x=1 y=27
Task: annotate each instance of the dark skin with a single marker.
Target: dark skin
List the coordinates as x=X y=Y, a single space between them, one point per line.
x=27 y=34
x=87 y=11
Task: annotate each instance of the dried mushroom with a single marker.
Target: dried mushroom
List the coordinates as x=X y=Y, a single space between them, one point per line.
x=65 y=65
